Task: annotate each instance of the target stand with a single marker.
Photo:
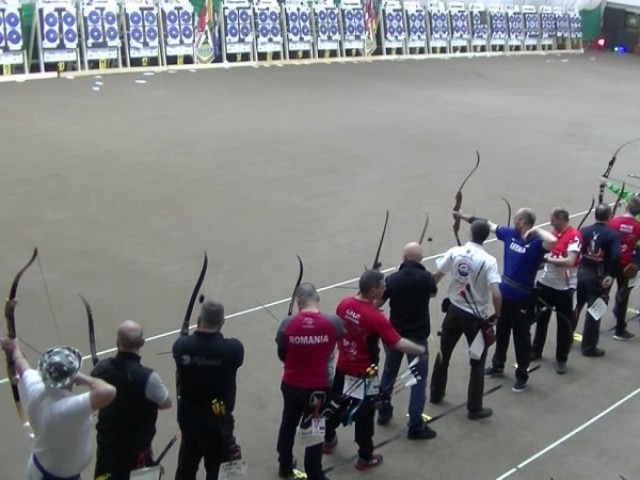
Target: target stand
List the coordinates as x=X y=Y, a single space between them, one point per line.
x=326 y=25
x=438 y=28
x=531 y=21
x=416 y=21
x=12 y=50
x=55 y=28
x=479 y=28
x=354 y=33
x=515 y=41
x=562 y=29
x=298 y=42
x=498 y=28
x=142 y=39
x=548 y=29
x=393 y=28
x=99 y=35
x=575 y=29
x=237 y=31
x=460 y=29
x=177 y=32
x=268 y=30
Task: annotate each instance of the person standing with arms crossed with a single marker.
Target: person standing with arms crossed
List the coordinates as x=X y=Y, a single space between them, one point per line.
x=600 y=259
x=126 y=428
x=306 y=345
x=365 y=325
x=473 y=288
x=557 y=286
x=207 y=364
x=524 y=250
x=409 y=291
x=61 y=421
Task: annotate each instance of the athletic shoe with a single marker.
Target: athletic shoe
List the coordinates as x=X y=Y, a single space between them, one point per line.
x=287 y=472
x=373 y=462
x=519 y=386
x=493 y=370
x=483 y=413
x=593 y=352
x=425 y=433
x=561 y=369
x=626 y=335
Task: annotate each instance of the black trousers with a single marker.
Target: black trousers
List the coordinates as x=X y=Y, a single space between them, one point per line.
x=562 y=301
x=201 y=438
x=515 y=315
x=622 y=301
x=589 y=290
x=118 y=461
x=363 y=419
x=297 y=405
x=456 y=323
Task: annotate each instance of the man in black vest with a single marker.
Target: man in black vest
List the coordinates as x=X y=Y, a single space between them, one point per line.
x=207 y=364
x=126 y=427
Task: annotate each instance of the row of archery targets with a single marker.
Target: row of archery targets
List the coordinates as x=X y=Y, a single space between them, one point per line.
x=100 y=34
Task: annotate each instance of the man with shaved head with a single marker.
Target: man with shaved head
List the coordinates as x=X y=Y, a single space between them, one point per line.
x=126 y=427
x=409 y=291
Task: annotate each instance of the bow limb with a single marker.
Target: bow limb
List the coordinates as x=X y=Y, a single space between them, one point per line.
x=92 y=332
x=458 y=197
x=11 y=333
x=376 y=260
x=584 y=219
x=509 y=210
x=610 y=166
x=424 y=229
x=298 y=282
x=184 y=330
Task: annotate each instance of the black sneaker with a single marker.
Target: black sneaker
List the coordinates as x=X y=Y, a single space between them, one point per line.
x=483 y=413
x=520 y=386
x=535 y=356
x=561 y=368
x=593 y=352
x=493 y=370
x=424 y=433
x=626 y=335
x=287 y=472
x=385 y=416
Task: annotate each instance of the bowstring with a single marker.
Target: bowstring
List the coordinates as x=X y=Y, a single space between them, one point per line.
x=46 y=289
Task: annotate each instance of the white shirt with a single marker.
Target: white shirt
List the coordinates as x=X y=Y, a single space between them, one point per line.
x=61 y=422
x=562 y=278
x=473 y=271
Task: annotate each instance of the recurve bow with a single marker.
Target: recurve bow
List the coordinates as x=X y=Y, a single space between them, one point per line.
x=610 y=166
x=458 y=204
x=376 y=260
x=11 y=333
x=92 y=332
x=184 y=330
x=298 y=282
x=584 y=219
x=508 y=210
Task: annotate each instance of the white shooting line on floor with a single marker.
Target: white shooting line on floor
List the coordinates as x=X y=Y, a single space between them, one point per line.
x=288 y=299
x=568 y=436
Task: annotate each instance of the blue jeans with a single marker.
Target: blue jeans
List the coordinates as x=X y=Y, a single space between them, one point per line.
x=418 y=397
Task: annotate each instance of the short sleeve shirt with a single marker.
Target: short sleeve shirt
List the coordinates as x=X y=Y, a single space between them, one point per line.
x=521 y=261
x=563 y=278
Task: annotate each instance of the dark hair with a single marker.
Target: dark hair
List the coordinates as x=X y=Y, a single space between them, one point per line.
x=369 y=280
x=633 y=205
x=603 y=212
x=560 y=214
x=212 y=314
x=480 y=231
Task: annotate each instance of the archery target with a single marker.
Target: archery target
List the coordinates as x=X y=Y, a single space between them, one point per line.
x=516 y=28
x=58 y=27
x=416 y=25
x=142 y=23
x=531 y=24
x=353 y=23
x=548 y=24
x=10 y=29
x=177 y=23
x=439 y=25
x=298 y=24
x=393 y=25
x=575 y=22
x=100 y=26
x=498 y=22
x=238 y=25
x=479 y=25
x=562 y=25
x=327 y=24
x=268 y=25
x=459 y=24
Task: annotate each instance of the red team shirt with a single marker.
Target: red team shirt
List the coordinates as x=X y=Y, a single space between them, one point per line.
x=308 y=340
x=361 y=321
x=629 y=230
